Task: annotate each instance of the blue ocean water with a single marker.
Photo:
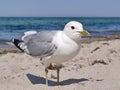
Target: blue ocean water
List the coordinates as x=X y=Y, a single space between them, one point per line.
x=14 y=27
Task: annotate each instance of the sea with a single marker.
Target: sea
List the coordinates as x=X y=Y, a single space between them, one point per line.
x=14 y=27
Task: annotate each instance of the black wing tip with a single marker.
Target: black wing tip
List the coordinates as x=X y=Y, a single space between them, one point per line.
x=17 y=42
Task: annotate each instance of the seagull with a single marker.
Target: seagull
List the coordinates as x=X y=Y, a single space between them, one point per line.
x=53 y=46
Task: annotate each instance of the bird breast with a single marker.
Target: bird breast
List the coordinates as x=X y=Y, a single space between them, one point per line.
x=67 y=48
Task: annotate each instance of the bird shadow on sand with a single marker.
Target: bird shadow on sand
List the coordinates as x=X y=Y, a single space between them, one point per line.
x=41 y=80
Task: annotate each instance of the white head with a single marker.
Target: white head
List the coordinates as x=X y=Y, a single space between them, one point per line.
x=74 y=30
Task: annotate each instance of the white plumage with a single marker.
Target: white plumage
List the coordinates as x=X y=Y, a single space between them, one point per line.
x=53 y=46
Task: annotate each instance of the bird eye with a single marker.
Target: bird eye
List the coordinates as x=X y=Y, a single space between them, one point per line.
x=72 y=27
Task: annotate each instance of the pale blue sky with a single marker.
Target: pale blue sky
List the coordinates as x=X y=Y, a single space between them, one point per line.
x=46 y=8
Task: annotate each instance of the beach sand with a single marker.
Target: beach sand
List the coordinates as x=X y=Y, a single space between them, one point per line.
x=96 y=67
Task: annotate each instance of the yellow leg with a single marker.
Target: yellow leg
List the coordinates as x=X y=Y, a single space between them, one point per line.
x=46 y=74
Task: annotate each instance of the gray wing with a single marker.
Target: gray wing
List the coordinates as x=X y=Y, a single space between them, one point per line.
x=40 y=44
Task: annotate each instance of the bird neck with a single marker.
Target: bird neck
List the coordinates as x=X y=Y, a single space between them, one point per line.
x=75 y=37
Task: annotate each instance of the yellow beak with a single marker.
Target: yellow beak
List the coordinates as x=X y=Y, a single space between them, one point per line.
x=85 y=33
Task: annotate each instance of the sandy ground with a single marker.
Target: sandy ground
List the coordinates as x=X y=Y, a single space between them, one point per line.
x=97 y=67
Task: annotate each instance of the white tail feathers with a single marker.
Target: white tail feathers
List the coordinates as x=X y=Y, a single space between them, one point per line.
x=28 y=33
x=23 y=47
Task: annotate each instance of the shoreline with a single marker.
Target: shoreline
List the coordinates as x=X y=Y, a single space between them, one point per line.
x=91 y=39
x=6 y=47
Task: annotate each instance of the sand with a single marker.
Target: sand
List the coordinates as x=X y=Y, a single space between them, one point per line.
x=96 y=67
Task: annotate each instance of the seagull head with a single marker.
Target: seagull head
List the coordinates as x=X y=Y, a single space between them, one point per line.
x=74 y=30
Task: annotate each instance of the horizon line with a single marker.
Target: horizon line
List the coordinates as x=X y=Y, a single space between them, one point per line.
x=64 y=16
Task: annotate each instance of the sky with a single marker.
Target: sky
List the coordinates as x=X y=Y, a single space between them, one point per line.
x=60 y=8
